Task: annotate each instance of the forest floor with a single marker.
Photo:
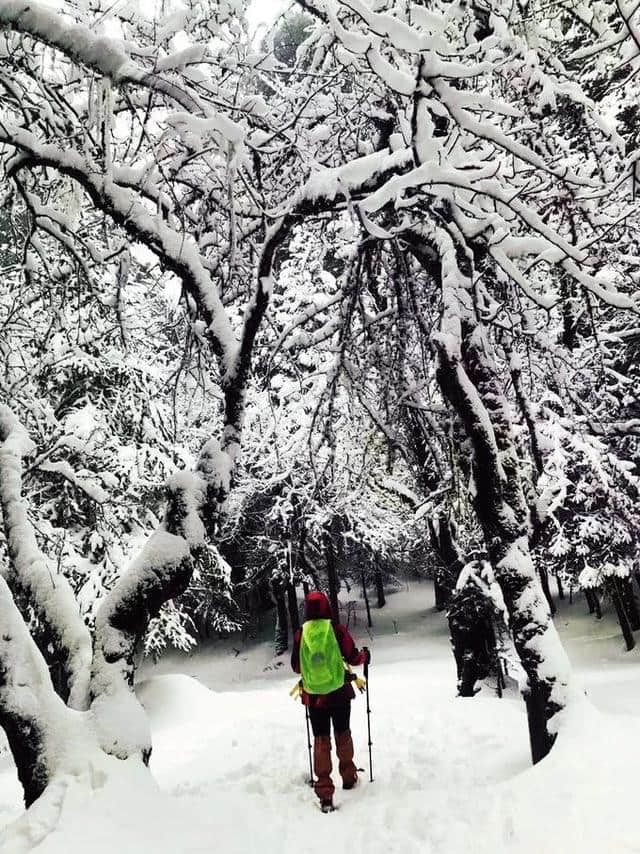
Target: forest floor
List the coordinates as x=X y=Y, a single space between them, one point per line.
x=452 y=775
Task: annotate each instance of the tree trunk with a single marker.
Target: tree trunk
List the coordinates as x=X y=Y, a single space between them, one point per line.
x=442 y=532
x=305 y=564
x=332 y=576
x=614 y=592
x=282 y=626
x=20 y=710
x=544 y=581
x=292 y=603
x=441 y=594
x=591 y=595
x=560 y=587
x=65 y=639
x=366 y=600
x=596 y=604
x=38 y=726
x=588 y=595
x=470 y=383
x=630 y=605
x=379 y=587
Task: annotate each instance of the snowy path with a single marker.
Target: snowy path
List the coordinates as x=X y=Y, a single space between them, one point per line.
x=451 y=775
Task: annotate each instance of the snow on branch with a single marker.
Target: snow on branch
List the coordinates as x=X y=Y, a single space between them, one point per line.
x=160 y=572
x=545 y=301
x=485 y=130
x=177 y=251
x=83 y=481
x=30 y=576
x=47 y=24
x=107 y=56
x=234 y=380
x=384 y=178
x=326 y=184
x=600 y=289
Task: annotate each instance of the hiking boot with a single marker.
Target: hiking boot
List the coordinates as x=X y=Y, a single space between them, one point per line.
x=326 y=805
x=348 y=770
x=322 y=766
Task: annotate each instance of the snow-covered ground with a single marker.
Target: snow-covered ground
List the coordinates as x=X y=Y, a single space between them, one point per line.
x=451 y=775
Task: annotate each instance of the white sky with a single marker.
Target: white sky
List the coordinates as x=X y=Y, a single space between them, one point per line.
x=262 y=12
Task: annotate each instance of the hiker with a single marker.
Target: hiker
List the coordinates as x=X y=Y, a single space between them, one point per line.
x=319 y=649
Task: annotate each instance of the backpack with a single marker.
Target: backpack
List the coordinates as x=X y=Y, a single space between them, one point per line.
x=321 y=662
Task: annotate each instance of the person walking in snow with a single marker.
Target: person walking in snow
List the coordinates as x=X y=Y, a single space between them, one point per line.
x=319 y=650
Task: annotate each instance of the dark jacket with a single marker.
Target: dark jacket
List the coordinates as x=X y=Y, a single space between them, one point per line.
x=317 y=607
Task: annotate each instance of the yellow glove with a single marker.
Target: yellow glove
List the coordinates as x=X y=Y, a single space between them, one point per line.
x=361 y=684
x=296 y=691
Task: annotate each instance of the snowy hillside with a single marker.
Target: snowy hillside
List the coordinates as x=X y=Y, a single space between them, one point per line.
x=451 y=775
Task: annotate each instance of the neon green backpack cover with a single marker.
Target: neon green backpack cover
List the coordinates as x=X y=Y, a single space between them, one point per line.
x=320 y=658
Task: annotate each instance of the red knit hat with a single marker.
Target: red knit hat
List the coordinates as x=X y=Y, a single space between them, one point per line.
x=317 y=607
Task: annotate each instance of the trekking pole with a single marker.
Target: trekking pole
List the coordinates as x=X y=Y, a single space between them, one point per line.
x=366 y=676
x=306 y=713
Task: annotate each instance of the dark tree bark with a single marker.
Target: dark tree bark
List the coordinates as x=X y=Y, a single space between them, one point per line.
x=613 y=588
x=377 y=577
x=569 y=316
x=596 y=604
x=630 y=604
x=560 y=587
x=544 y=581
x=292 y=603
x=441 y=594
x=305 y=565
x=26 y=743
x=332 y=575
x=528 y=415
x=366 y=600
x=442 y=532
x=31 y=713
x=24 y=729
x=281 y=638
